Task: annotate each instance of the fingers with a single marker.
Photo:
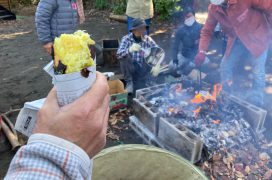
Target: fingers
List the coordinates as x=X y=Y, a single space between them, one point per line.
x=94 y=98
x=51 y=100
x=49 y=51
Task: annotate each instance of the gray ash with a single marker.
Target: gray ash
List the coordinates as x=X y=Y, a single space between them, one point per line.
x=219 y=122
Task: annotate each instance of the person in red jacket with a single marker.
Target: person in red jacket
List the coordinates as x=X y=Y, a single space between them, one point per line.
x=247 y=24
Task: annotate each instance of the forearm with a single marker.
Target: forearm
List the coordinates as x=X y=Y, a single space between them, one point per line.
x=50 y=157
x=123 y=50
x=122 y=53
x=265 y=5
x=207 y=33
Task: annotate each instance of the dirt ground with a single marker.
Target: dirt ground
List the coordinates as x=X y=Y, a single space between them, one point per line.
x=22 y=59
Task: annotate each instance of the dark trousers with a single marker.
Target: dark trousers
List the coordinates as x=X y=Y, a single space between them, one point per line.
x=134 y=71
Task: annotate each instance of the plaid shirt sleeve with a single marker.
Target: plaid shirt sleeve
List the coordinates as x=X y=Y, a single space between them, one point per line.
x=122 y=51
x=50 y=157
x=127 y=41
x=150 y=42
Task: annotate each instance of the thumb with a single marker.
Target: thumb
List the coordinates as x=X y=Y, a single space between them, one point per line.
x=51 y=100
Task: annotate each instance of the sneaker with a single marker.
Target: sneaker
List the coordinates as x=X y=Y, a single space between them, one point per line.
x=129 y=87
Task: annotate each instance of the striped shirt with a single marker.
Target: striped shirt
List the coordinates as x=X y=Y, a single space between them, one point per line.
x=49 y=157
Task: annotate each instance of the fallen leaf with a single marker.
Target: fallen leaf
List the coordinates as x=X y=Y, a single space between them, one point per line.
x=112 y=136
x=216 y=157
x=117 y=127
x=268 y=175
x=239 y=166
x=238 y=174
x=264 y=157
x=247 y=169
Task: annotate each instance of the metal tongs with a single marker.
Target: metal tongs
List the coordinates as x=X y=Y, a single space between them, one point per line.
x=199 y=80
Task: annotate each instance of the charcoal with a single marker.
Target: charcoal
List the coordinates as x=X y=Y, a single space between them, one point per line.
x=219 y=123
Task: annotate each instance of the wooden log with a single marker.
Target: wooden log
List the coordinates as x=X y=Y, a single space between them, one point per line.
x=118 y=18
x=13 y=139
x=11 y=111
x=9 y=123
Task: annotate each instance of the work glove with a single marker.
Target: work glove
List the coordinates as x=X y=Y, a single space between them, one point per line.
x=200 y=58
x=146 y=52
x=134 y=48
x=175 y=62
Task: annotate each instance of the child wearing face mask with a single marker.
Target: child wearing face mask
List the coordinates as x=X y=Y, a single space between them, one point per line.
x=187 y=36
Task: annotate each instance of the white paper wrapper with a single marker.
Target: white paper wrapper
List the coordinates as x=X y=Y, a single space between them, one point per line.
x=69 y=88
x=26 y=119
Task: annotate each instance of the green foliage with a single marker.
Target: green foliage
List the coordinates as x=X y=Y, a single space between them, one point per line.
x=101 y=4
x=15 y=3
x=119 y=7
x=164 y=8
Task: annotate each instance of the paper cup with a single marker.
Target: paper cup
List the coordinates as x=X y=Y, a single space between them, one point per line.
x=71 y=86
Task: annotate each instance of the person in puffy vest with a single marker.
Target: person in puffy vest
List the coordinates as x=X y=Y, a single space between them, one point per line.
x=56 y=17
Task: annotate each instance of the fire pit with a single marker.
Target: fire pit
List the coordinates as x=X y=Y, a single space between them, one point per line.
x=184 y=119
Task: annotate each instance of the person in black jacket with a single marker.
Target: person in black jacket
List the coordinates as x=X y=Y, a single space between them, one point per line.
x=187 y=37
x=180 y=5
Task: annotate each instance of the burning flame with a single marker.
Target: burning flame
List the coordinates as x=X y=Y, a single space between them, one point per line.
x=197 y=111
x=217 y=88
x=171 y=110
x=199 y=98
x=216 y=121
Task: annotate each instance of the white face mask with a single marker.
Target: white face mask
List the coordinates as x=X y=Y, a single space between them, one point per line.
x=217 y=2
x=189 y=21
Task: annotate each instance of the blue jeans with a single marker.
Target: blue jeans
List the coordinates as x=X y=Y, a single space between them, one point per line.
x=239 y=52
x=129 y=24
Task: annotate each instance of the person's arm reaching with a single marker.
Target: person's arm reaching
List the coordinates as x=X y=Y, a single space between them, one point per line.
x=65 y=138
x=266 y=6
x=123 y=50
x=207 y=32
x=205 y=38
x=43 y=17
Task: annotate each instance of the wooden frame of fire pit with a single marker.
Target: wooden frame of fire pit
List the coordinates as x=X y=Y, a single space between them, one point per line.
x=182 y=140
x=254 y=115
x=146 y=116
x=185 y=142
